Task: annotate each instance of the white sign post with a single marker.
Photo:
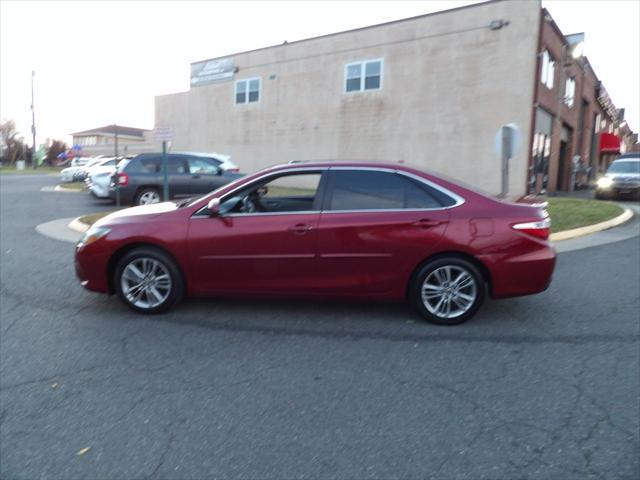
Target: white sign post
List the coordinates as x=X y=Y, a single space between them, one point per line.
x=508 y=141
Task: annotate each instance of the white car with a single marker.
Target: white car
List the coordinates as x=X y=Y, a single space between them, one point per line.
x=98 y=181
x=224 y=160
x=70 y=174
x=93 y=166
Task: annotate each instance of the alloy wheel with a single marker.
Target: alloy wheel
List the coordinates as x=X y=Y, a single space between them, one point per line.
x=146 y=283
x=449 y=291
x=148 y=197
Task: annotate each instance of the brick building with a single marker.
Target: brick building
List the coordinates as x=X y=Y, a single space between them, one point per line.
x=577 y=130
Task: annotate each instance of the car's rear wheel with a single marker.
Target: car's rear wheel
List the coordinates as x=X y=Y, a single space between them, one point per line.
x=448 y=290
x=147 y=280
x=146 y=196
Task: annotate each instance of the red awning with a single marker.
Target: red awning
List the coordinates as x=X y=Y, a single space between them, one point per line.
x=609 y=143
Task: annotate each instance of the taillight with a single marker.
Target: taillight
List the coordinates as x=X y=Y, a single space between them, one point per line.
x=123 y=179
x=539 y=229
x=233 y=170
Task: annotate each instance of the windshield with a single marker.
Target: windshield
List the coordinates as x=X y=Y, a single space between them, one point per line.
x=623 y=166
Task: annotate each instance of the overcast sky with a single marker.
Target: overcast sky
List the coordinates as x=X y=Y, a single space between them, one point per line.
x=99 y=63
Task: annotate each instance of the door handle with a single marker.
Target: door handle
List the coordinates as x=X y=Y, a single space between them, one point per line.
x=300 y=228
x=428 y=223
x=195 y=175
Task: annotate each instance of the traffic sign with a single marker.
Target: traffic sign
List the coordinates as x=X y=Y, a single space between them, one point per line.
x=163 y=134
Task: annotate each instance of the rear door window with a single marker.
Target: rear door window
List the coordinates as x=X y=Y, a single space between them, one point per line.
x=202 y=166
x=378 y=190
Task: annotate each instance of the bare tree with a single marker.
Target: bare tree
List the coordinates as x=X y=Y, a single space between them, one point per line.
x=12 y=146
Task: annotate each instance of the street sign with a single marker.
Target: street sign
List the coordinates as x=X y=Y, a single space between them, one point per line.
x=508 y=142
x=163 y=134
x=510 y=137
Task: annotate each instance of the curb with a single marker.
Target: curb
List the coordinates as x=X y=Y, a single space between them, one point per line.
x=78 y=226
x=58 y=188
x=596 y=227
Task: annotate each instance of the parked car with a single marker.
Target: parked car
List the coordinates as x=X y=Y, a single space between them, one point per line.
x=99 y=181
x=140 y=179
x=346 y=230
x=93 y=166
x=622 y=178
x=72 y=173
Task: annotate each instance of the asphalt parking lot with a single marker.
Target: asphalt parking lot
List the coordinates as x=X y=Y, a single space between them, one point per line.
x=543 y=387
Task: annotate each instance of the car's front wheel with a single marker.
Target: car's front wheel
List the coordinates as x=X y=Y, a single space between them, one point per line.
x=448 y=290
x=147 y=280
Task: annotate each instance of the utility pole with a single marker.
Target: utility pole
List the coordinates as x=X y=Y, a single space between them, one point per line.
x=33 y=124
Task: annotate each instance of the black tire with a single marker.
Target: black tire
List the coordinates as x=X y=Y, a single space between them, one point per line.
x=175 y=291
x=431 y=270
x=144 y=192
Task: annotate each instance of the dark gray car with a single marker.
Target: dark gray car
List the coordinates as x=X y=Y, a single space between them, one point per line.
x=622 y=178
x=140 y=179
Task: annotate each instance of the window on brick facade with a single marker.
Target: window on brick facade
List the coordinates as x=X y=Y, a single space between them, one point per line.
x=548 y=69
x=366 y=75
x=569 y=92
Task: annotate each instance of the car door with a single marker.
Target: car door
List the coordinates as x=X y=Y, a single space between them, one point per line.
x=268 y=249
x=177 y=175
x=375 y=228
x=206 y=175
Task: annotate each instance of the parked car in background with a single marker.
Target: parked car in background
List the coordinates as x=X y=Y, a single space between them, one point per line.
x=70 y=174
x=99 y=178
x=346 y=230
x=622 y=178
x=92 y=167
x=140 y=179
x=98 y=182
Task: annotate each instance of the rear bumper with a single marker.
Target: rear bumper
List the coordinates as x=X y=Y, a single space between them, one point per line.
x=524 y=274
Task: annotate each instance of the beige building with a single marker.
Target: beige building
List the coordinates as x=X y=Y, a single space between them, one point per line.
x=430 y=91
x=102 y=140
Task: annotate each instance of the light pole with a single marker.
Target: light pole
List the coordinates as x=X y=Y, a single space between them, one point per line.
x=33 y=124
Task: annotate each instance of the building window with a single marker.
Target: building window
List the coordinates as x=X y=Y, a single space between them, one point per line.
x=248 y=91
x=569 y=92
x=360 y=76
x=547 y=72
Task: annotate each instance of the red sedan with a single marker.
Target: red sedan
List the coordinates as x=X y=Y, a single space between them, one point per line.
x=341 y=230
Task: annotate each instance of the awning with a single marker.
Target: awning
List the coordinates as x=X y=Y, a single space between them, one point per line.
x=609 y=143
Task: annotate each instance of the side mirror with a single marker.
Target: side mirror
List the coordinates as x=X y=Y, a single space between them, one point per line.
x=214 y=207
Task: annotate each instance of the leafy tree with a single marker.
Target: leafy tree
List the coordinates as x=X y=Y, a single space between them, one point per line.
x=55 y=149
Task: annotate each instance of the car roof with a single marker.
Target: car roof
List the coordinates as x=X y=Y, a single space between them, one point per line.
x=341 y=163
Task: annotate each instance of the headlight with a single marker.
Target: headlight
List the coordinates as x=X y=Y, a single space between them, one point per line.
x=92 y=234
x=604 y=182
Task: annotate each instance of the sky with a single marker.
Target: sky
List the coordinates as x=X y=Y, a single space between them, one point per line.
x=99 y=63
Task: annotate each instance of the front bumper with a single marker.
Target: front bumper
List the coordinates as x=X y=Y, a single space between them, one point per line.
x=91 y=268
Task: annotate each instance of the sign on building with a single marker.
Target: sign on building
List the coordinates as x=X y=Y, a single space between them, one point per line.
x=212 y=71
